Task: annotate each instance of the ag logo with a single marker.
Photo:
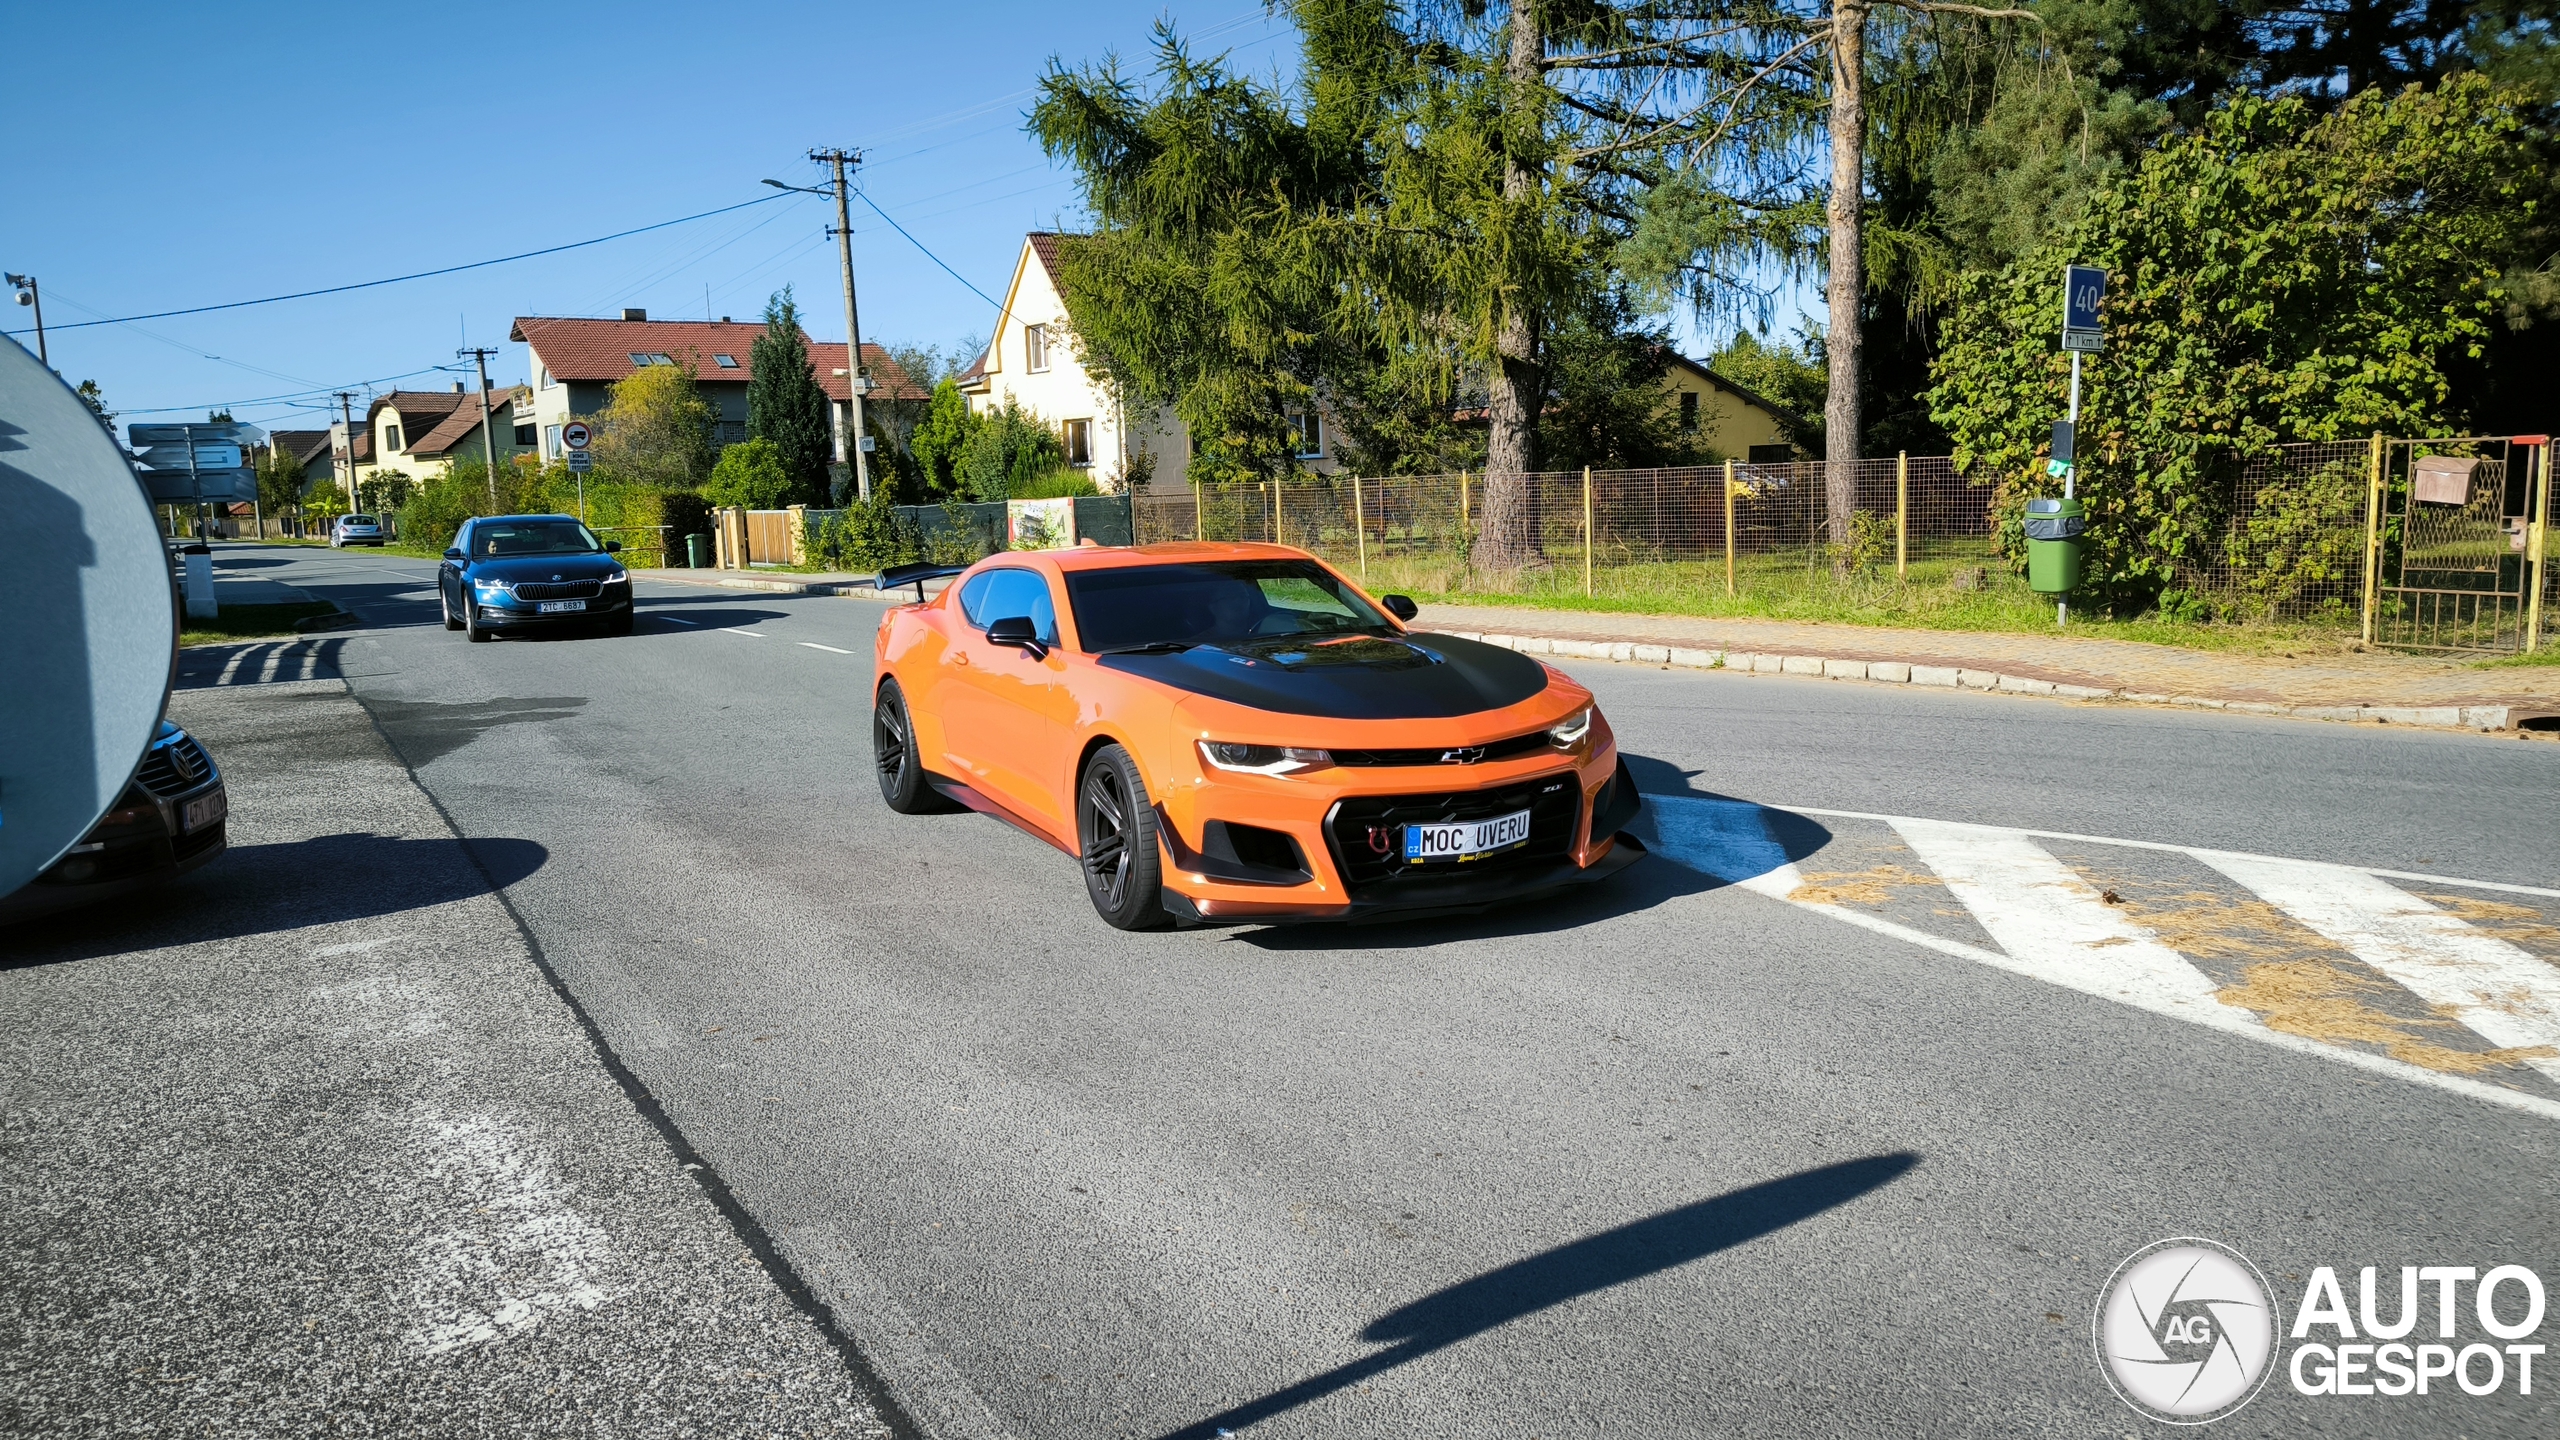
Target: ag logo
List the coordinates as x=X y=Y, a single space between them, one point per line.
x=2185 y=1331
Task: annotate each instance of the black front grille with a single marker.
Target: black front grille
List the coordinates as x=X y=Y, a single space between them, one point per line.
x=1511 y=749
x=1367 y=832
x=559 y=590
x=175 y=768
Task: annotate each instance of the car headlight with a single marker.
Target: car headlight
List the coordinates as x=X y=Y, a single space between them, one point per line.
x=1262 y=759
x=1573 y=731
x=618 y=577
x=491 y=587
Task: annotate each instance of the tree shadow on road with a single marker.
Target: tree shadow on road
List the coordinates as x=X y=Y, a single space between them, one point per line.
x=268 y=889
x=428 y=730
x=1598 y=1262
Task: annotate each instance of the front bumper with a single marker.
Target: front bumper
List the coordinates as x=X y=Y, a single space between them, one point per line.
x=513 y=614
x=121 y=865
x=1225 y=861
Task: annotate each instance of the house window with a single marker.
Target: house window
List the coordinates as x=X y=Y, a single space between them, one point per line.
x=545 y=372
x=1078 y=435
x=725 y=362
x=1035 y=348
x=524 y=436
x=551 y=442
x=661 y=359
x=1689 y=412
x=1772 y=455
x=1310 y=432
x=637 y=359
x=390 y=437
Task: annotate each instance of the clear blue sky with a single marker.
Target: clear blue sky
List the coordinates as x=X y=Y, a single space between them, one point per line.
x=168 y=155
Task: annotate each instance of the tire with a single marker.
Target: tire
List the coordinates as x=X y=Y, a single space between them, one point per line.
x=1116 y=838
x=895 y=758
x=446 y=606
x=471 y=625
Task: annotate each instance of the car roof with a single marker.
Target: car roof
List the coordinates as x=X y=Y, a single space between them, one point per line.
x=502 y=519
x=1120 y=557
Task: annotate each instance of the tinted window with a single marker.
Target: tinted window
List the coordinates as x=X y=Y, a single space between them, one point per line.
x=359 y=519
x=497 y=539
x=1212 y=604
x=999 y=594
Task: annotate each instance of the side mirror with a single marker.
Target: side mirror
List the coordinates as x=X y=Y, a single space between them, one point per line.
x=610 y=546
x=1401 y=607
x=1018 y=632
x=453 y=554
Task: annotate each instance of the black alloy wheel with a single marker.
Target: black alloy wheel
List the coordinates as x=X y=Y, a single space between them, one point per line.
x=1116 y=828
x=893 y=751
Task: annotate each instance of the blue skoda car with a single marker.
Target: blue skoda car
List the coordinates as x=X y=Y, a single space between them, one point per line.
x=522 y=572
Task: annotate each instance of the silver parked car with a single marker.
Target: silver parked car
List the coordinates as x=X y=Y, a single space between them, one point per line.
x=356 y=530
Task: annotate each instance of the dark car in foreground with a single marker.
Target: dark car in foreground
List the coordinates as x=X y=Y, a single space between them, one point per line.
x=172 y=817
x=527 y=572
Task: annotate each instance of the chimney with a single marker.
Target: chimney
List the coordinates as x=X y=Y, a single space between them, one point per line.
x=628 y=313
x=725 y=320
x=457 y=387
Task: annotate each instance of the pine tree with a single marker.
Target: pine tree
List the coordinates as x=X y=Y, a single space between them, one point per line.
x=785 y=404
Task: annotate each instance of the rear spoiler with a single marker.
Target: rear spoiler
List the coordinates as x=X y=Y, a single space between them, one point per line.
x=916 y=575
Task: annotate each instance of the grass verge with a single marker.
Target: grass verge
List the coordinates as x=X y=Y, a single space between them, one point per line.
x=251 y=622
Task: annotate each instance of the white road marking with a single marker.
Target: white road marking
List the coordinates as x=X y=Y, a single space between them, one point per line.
x=2509 y=997
x=830 y=649
x=678 y=619
x=513 y=1249
x=2052 y=922
x=734 y=630
x=1731 y=840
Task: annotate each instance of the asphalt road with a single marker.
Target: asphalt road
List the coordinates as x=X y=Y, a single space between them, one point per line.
x=1668 y=1158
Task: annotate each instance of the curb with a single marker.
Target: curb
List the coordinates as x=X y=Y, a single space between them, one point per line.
x=1896 y=672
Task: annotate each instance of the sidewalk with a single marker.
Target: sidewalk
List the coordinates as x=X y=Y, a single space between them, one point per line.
x=2381 y=686
x=2378 y=687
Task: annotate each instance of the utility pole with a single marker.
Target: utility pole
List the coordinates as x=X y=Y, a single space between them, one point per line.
x=28 y=294
x=347 y=414
x=488 y=441
x=855 y=381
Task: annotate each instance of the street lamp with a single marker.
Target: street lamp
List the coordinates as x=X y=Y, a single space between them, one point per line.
x=856 y=383
x=29 y=295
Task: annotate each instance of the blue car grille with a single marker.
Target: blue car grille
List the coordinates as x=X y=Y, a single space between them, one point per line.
x=175 y=768
x=559 y=590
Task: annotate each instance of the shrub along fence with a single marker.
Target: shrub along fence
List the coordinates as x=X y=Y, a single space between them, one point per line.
x=2306 y=533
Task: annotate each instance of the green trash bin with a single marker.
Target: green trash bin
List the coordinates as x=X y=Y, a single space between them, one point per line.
x=2056 y=534
x=697 y=551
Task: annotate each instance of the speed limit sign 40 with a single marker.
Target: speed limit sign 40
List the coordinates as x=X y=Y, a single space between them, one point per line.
x=575 y=435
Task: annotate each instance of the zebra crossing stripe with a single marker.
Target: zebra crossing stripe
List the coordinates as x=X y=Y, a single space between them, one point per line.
x=2054 y=924
x=1732 y=841
x=2507 y=996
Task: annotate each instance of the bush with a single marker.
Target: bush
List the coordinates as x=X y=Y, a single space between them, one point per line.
x=750 y=474
x=1012 y=447
x=1058 y=484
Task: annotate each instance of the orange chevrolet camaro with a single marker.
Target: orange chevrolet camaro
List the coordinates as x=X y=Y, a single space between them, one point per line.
x=1229 y=734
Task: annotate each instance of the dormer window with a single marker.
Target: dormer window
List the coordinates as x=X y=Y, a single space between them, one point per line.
x=640 y=360
x=725 y=362
x=390 y=437
x=1035 y=348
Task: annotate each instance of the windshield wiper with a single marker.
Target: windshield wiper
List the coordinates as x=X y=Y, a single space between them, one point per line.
x=1152 y=647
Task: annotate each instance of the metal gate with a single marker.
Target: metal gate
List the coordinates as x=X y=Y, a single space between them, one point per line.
x=2457 y=535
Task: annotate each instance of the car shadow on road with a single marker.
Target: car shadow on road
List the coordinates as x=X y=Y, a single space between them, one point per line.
x=1763 y=840
x=268 y=889
x=427 y=730
x=1597 y=1262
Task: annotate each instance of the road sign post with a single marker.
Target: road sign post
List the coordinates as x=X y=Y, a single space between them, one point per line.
x=2084 y=288
x=574 y=437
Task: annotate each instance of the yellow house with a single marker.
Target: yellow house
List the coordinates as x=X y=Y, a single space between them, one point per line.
x=1725 y=417
x=421 y=432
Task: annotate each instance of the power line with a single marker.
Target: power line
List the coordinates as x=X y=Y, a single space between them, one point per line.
x=929 y=255
x=421 y=275
x=286 y=398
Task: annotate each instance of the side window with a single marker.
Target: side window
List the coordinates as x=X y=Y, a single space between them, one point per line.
x=1000 y=594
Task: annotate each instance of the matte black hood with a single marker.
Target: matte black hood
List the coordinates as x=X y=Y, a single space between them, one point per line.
x=1348 y=677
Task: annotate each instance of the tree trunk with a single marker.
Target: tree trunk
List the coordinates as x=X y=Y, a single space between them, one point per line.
x=1507 y=538
x=1840 y=420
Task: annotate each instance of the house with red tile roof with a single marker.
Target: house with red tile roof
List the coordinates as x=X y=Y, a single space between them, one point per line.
x=575 y=362
x=1033 y=361
x=420 y=433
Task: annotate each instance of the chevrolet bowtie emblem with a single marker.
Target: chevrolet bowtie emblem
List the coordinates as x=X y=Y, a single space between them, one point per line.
x=1465 y=755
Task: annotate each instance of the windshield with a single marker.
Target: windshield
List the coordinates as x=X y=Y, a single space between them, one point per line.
x=501 y=538
x=359 y=519
x=1215 y=603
